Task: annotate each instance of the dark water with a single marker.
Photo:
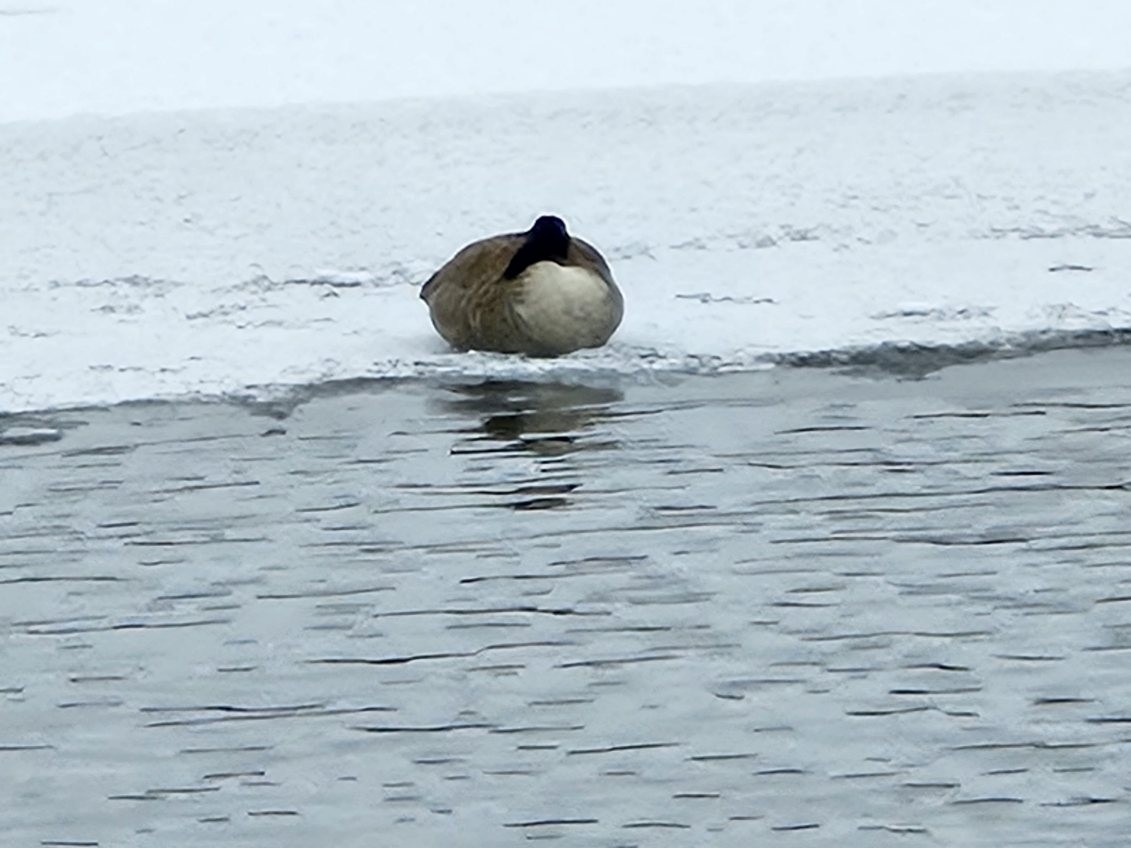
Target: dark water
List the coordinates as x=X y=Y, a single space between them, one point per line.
x=795 y=607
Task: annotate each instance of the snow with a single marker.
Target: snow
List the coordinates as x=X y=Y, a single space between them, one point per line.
x=232 y=251
x=278 y=236
x=120 y=56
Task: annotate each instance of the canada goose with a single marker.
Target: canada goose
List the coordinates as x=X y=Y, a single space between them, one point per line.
x=540 y=292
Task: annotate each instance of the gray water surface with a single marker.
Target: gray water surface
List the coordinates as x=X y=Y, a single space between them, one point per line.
x=788 y=608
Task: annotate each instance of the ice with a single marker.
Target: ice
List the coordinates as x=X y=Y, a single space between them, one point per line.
x=206 y=199
x=245 y=251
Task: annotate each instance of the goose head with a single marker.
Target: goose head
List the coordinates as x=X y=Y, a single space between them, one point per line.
x=547 y=240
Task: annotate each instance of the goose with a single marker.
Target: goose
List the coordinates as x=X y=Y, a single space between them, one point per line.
x=540 y=292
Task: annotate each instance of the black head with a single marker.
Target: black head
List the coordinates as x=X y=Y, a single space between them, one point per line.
x=547 y=240
x=550 y=227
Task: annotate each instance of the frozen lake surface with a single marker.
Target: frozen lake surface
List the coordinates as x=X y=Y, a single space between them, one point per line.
x=240 y=251
x=793 y=607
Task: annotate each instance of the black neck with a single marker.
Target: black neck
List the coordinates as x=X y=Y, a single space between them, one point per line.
x=546 y=241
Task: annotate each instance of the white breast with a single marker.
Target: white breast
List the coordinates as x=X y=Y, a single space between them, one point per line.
x=566 y=308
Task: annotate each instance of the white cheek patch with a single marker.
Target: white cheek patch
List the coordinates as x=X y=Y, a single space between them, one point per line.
x=566 y=307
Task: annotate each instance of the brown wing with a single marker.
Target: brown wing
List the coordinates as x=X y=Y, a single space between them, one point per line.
x=484 y=259
x=467 y=296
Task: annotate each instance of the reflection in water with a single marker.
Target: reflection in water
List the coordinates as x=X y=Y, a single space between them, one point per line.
x=552 y=421
x=548 y=419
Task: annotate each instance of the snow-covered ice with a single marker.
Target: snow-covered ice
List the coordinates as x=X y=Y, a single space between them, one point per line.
x=236 y=251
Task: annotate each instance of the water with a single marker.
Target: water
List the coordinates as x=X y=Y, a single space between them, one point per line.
x=795 y=607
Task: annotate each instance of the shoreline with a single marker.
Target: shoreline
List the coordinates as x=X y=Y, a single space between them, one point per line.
x=815 y=87
x=888 y=360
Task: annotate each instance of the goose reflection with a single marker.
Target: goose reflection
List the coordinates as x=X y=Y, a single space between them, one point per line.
x=552 y=422
x=547 y=419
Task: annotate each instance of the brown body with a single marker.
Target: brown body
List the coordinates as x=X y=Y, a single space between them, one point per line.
x=475 y=305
